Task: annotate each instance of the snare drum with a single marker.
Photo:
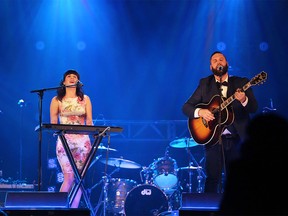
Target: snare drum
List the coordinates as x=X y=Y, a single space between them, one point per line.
x=145 y=200
x=165 y=173
x=117 y=191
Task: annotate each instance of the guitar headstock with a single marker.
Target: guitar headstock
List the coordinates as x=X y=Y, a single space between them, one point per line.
x=259 y=78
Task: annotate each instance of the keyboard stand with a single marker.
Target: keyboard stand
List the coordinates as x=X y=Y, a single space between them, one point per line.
x=79 y=176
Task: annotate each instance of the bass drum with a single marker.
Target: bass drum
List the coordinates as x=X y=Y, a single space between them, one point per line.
x=145 y=200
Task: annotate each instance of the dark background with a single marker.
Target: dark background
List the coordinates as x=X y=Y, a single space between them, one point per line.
x=139 y=61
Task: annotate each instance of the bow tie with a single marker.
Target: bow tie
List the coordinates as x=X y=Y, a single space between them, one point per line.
x=223 y=84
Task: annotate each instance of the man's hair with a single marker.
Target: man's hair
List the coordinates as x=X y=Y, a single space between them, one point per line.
x=216 y=53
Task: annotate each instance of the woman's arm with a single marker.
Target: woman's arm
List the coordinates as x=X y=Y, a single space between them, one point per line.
x=89 y=120
x=54 y=111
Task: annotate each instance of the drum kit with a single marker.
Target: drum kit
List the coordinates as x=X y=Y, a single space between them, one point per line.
x=161 y=189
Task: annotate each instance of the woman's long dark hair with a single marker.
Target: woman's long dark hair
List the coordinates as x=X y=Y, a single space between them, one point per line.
x=62 y=91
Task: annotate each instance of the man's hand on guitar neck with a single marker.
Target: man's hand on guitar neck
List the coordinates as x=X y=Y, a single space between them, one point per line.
x=206 y=114
x=241 y=96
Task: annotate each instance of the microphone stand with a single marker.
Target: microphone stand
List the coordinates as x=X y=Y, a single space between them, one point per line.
x=21 y=104
x=40 y=93
x=220 y=135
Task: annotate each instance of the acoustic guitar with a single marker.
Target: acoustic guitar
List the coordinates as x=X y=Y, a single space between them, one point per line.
x=207 y=133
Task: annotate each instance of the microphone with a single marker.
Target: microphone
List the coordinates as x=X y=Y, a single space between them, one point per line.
x=220 y=68
x=79 y=84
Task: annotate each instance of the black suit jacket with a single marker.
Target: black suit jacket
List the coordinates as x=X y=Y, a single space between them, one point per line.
x=207 y=88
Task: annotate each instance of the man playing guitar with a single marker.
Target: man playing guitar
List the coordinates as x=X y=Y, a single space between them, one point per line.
x=218 y=124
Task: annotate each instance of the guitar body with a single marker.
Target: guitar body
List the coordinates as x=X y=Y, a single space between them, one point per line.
x=207 y=133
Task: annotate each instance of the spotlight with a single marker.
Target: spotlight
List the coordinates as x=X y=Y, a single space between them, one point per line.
x=81 y=45
x=40 y=45
x=21 y=103
x=263 y=46
x=221 y=46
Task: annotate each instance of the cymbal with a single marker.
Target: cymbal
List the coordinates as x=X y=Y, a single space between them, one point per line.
x=121 y=163
x=183 y=143
x=101 y=147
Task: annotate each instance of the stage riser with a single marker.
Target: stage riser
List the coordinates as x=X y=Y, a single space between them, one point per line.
x=4 y=191
x=199 y=204
x=197 y=213
x=47 y=212
x=35 y=203
x=40 y=204
x=36 y=200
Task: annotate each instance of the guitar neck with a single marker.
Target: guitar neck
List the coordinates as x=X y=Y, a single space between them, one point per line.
x=232 y=97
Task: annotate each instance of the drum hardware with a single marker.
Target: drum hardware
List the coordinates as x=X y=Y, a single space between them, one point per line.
x=174 y=200
x=199 y=189
x=118 y=189
x=94 y=161
x=121 y=163
x=190 y=169
x=183 y=143
x=102 y=147
x=103 y=198
x=187 y=143
x=169 y=213
x=106 y=179
x=146 y=172
x=200 y=172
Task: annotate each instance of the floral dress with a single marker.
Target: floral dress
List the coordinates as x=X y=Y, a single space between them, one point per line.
x=72 y=111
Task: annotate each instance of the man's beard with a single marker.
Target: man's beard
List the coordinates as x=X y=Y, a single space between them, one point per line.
x=220 y=72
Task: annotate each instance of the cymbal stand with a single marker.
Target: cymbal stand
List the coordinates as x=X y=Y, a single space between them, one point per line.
x=199 y=180
x=105 y=181
x=200 y=173
x=147 y=172
x=103 y=196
